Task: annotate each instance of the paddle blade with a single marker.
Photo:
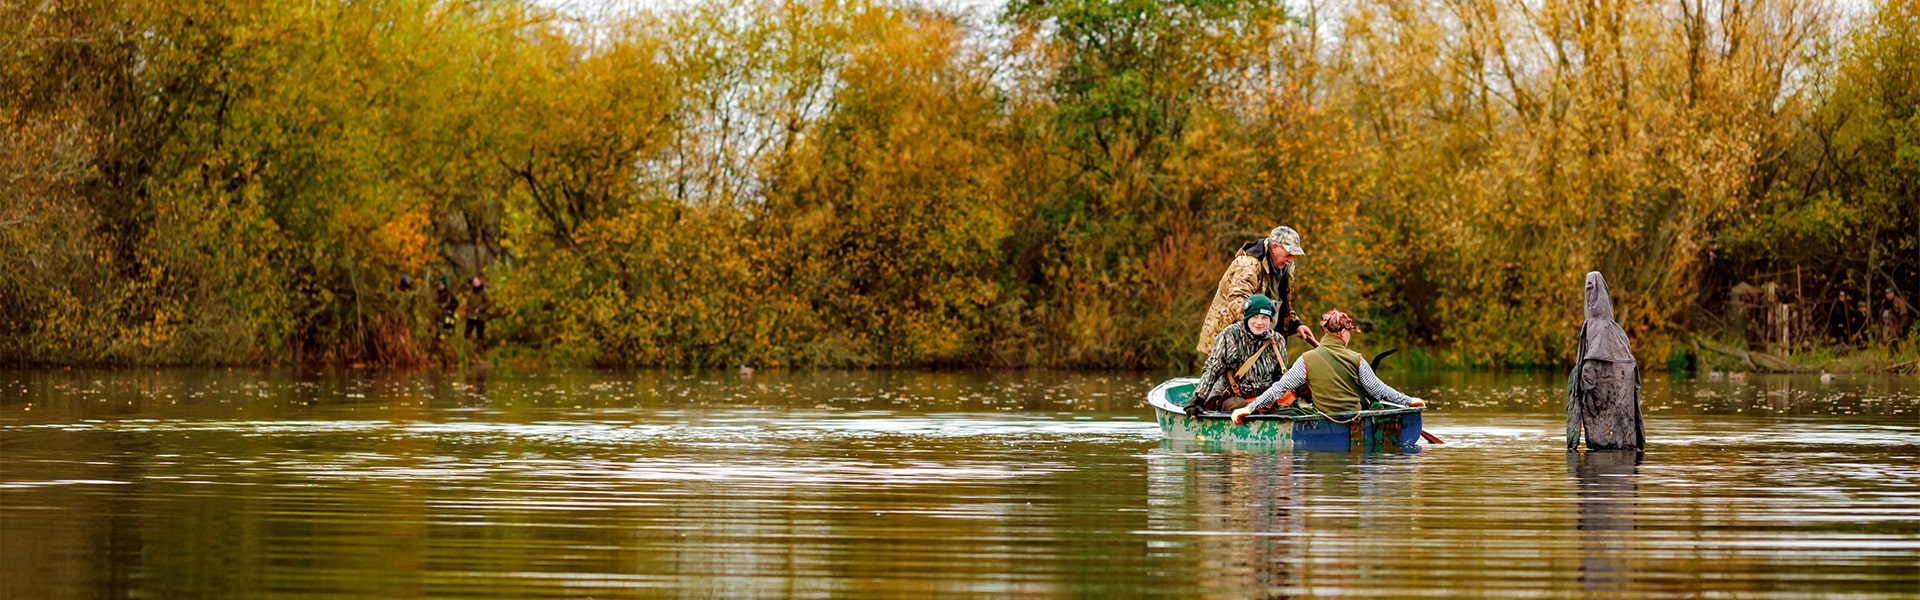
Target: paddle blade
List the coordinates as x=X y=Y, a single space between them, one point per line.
x=1430 y=438
x=1381 y=358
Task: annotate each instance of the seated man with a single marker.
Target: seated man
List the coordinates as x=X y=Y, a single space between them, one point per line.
x=1339 y=379
x=1245 y=360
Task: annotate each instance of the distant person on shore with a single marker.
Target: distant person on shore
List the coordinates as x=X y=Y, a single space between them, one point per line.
x=1603 y=391
x=1840 y=318
x=1263 y=266
x=1863 y=316
x=1338 y=378
x=1894 y=315
x=1244 y=362
x=406 y=291
x=445 y=304
x=406 y=296
x=479 y=310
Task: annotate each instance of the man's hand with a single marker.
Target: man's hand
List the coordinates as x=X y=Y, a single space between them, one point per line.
x=1241 y=412
x=1194 y=409
x=1417 y=403
x=1307 y=334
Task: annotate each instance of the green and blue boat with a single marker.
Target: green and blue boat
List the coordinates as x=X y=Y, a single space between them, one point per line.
x=1392 y=429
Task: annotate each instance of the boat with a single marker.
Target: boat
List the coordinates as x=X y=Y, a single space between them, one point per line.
x=1391 y=429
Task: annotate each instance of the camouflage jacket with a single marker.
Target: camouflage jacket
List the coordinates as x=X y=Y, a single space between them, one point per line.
x=1231 y=349
x=445 y=303
x=479 y=305
x=1249 y=275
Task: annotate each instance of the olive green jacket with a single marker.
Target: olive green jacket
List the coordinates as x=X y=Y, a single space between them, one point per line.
x=479 y=305
x=1333 y=373
x=1335 y=387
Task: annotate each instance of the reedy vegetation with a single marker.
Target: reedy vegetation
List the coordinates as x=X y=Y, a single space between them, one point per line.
x=832 y=183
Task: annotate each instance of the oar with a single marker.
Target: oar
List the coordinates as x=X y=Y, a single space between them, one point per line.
x=1381 y=358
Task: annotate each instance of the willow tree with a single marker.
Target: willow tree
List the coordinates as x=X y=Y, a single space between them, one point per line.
x=1125 y=81
x=1527 y=143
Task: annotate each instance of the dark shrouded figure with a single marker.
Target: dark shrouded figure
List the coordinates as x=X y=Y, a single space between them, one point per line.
x=1603 y=391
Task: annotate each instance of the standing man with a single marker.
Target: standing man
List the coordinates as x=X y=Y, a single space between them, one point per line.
x=479 y=308
x=1894 y=314
x=445 y=305
x=1263 y=266
x=1840 y=317
x=406 y=297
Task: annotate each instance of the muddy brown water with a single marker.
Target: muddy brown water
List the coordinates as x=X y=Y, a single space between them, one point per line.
x=615 y=484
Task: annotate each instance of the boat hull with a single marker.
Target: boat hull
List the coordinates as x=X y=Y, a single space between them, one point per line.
x=1365 y=430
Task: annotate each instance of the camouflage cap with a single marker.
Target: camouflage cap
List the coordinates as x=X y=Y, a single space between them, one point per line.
x=1287 y=239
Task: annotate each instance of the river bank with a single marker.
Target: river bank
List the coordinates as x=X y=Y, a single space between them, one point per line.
x=1716 y=357
x=1699 y=356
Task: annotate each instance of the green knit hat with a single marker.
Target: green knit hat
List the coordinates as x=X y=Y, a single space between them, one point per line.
x=1257 y=304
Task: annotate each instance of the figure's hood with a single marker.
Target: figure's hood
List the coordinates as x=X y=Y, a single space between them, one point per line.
x=1599 y=302
x=1600 y=337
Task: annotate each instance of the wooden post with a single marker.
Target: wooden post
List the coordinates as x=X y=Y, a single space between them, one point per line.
x=1800 y=298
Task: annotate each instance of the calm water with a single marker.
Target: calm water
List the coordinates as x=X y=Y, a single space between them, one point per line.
x=499 y=484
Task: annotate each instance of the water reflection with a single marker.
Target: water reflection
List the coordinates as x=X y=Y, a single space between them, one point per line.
x=1279 y=523
x=1608 y=488
x=659 y=484
x=1241 y=523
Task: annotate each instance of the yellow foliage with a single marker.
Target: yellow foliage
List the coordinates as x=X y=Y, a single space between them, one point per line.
x=852 y=183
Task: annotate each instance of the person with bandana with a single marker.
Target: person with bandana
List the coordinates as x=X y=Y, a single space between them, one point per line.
x=1603 y=391
x=1337 y=378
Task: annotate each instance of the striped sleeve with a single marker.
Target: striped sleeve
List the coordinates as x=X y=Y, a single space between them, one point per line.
x=1296 y=376
x=1376 y=389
